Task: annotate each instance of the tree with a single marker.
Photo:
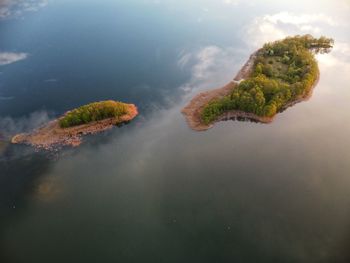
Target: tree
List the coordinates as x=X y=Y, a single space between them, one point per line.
x=272 y=86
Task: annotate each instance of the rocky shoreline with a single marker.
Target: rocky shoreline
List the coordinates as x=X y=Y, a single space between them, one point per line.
x=52 y=135
x=192 y=111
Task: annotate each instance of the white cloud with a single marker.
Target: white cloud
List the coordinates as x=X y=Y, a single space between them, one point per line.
x=338 y=59
x=206 y=58
x=202 y=64
x=308 y=28
x=184 y=60
x=231 y=2
x=261 y=31
x=210 y=67
x=4 y=12
x=276 y=26
x=10 y=57
x=10 y=126
x=342 y=49
x=302 y=19
x=11 y=8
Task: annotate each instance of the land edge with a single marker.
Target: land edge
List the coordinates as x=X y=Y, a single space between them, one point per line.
x=192 y=111
x=51 y=135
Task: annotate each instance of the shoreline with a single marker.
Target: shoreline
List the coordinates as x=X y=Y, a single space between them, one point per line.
x=248 y=116
x=52 y=135
x=192 y=111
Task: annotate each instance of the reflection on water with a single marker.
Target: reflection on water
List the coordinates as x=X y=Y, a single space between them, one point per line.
x=154 y=190
x=3 y=146
x=48 y=189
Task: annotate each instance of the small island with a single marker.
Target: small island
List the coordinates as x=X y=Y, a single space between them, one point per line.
x=275 y=77
x=69 y=128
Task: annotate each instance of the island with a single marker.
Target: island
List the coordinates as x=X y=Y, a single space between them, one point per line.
x=276 y=76
x=69 y=128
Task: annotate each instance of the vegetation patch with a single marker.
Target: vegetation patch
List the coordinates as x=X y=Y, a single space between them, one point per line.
x=93 y=112
x=284 y=71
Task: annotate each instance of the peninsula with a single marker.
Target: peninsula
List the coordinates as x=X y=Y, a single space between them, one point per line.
x=69 y=128
x=276 y=76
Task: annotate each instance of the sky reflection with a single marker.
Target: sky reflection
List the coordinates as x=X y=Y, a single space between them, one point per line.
x=154 y=189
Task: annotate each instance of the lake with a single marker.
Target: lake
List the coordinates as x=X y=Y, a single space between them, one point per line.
x=154 y=190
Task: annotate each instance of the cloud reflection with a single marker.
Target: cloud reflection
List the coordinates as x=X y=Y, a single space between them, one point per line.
x=13 y=8
x=11 y=57
x=271 y=27
x=10 y=126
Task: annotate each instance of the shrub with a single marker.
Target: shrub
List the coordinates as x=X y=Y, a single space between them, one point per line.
x=93 y=112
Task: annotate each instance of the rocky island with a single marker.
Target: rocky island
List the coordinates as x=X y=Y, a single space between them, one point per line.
x=275 y=77
x=69 y=128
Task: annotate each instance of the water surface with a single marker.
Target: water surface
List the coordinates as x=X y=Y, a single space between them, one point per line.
x=154 y=190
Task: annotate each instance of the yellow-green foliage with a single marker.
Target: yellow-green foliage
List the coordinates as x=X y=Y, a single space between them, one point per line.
x=93 y=112
x=284 y=70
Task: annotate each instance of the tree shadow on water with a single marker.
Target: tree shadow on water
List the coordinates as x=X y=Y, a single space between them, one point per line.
x=342 y=252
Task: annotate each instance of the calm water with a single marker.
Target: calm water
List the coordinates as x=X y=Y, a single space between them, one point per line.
x=153 y=190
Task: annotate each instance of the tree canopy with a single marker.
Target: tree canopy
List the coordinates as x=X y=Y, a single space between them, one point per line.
x=93 y=112
x=283 y=71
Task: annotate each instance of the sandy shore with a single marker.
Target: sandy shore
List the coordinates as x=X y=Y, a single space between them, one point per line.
x=192 y=111
x=52 y=135
x=194 y=108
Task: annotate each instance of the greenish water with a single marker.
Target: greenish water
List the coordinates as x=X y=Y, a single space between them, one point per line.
x=154 y=190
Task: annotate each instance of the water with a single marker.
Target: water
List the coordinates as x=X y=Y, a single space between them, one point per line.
x=153 y=190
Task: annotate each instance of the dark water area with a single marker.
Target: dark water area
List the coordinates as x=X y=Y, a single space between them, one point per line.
x=154 y=190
